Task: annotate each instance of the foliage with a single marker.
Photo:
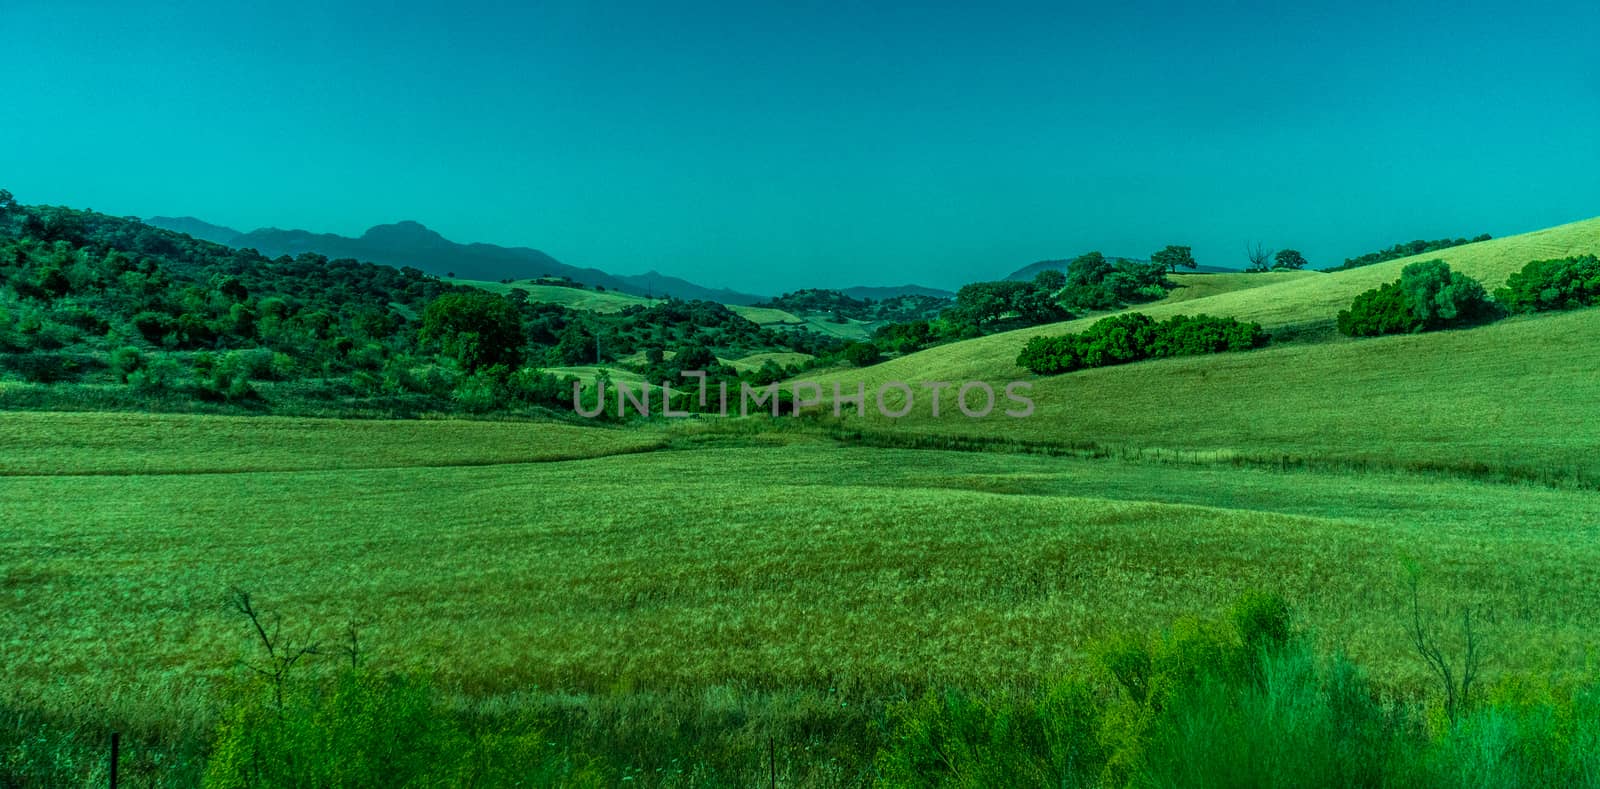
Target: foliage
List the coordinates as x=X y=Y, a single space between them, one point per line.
x=1134 y=336
x=989 y=306
x=1405 y=250
x=862 y=354
x=1096 y=283
x=478 y=329
x=1561 y=284
x=1428 y=296
x=1289 y=259
x=1174 y=257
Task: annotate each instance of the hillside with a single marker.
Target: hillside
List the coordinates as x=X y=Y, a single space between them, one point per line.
x=1296 y=304
x=411 y=244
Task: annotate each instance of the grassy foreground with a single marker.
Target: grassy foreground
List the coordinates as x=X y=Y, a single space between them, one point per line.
x=772 y=586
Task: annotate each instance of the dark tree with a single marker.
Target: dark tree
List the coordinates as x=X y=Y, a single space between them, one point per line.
x=1289 y=259
x=478 y=329
x=1174 y=257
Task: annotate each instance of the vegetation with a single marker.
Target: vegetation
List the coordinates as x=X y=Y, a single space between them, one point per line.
x=1289 y=260
x=1175 y=257
x=1133 y=336
x=1562 y=284
x=513 y=626
x=112 y=313
x=1411 y=249
x=1428 y=296
x=1094 y=283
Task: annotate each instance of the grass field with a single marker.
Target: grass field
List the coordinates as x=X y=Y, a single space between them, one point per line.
x=732 y=565
x=1518 y=396
x=798 y=564
x=1199 y=286
x=574 y=298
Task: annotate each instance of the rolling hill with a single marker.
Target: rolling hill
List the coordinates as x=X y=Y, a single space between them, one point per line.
x=1515 y=398
x=1294 y=304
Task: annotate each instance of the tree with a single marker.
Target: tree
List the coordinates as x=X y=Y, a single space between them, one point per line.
x=1259 y=256
x=1050 y=280
x=1289 y=259
x=862 y=354
x=478 y=329
x=1173 y=257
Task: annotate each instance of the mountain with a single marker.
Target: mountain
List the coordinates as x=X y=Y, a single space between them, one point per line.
x=892 y=291
x=411 y=244
x=198 y=228
x=1031 y=270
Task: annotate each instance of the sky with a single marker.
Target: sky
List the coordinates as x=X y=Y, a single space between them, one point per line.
x=772 y=146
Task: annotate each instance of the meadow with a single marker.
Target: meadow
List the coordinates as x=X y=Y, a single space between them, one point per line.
x=760 y=571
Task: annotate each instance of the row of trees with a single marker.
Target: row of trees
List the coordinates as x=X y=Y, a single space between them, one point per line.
x=1134 y=336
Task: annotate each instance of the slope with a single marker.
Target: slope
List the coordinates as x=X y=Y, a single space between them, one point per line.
x=1303 y=304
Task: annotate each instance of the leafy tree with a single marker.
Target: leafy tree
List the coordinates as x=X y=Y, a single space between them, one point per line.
x=1175 y=257
x=862 y=354
x=1289 y=259
x=478 y=329
x=1050 y=280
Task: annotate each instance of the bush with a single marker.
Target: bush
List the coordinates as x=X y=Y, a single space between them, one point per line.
x=1134 y=336
x=480 y=392
x=537 y=387
x=1382 y=310
x=125 y=361
x=1428 y=296
x=862 y=354
x=1563 y=284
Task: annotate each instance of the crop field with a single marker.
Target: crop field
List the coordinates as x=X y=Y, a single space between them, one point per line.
x=795 y=563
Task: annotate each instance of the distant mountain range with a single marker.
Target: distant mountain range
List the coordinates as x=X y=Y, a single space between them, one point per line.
x=412 y=244
x=1032 y=270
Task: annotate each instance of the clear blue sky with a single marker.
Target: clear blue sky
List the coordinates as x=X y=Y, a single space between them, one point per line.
x=767 y=146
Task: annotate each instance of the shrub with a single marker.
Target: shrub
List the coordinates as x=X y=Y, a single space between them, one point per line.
x=1133 y=336
x=862 y=354
x=160 y=375
x=480 y=392
x=537 y=387
x=1427 y=296
x=124 y=361
x=1382 y=310
x=1563 y=284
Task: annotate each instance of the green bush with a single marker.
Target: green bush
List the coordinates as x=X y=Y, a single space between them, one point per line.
x=1134 y=336
x=1428 y=296
x=1564 y=284
x=862 y=354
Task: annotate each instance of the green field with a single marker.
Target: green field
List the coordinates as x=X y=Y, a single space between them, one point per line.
x=740 y=560
x=664 y=602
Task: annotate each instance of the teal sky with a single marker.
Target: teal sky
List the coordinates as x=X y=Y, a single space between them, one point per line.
x=768 y=146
